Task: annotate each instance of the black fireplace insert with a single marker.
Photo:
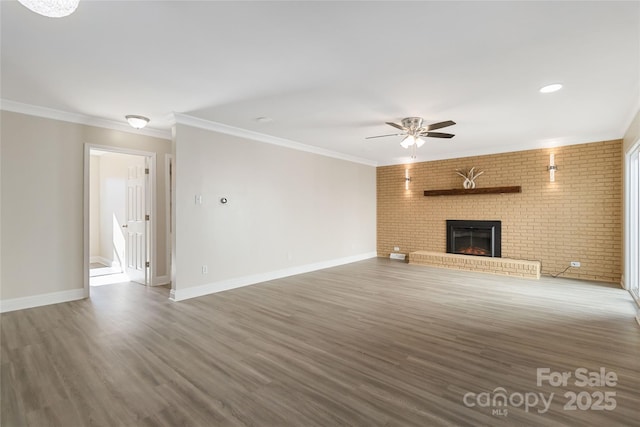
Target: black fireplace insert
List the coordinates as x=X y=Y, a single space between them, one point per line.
x=480 y=238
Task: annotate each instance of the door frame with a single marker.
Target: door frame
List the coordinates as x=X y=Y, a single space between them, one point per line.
x=150 y=208
x=168 y=174
x=631 y=212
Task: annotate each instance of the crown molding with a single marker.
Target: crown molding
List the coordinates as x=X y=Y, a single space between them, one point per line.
x=82 y=119
x=185 y=119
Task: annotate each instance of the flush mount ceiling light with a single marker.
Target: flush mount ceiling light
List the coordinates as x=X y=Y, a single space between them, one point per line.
x=551 y=88
x=51 y=8
x=137 y=122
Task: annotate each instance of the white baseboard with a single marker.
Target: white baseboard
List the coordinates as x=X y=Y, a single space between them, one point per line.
x=238 y=282
x=42 y=299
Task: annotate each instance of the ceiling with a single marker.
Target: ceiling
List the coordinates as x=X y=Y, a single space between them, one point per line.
x=329 y=74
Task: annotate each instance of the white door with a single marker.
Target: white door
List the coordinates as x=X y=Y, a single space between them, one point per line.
x=135 y=225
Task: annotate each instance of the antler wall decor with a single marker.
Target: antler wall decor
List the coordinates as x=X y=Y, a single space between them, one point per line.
x=469 y=177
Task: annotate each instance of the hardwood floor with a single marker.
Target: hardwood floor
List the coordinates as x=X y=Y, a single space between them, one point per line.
x=375 y=343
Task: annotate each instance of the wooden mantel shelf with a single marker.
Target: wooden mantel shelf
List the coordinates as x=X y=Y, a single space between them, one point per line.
x=465 y=192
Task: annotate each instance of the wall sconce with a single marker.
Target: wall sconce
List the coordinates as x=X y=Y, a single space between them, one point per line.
x=552 y=168
x=407 y=179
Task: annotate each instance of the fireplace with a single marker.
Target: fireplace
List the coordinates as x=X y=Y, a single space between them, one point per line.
x=480 y=238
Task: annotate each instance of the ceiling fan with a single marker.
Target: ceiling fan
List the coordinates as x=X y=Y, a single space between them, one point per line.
x=414 y=131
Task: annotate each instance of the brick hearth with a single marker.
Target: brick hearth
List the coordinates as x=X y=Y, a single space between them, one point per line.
x=502 y=266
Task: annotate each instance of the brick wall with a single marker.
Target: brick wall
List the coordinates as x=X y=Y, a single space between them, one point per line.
x=576 y=218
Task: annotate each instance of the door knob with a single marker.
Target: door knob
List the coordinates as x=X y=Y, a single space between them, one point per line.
x=125 y=226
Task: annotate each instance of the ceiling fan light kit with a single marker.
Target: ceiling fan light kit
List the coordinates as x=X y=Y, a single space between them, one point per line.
x=408 y=141
x=413 y=131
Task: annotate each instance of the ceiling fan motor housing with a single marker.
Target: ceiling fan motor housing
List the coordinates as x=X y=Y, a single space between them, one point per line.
x=412 y=123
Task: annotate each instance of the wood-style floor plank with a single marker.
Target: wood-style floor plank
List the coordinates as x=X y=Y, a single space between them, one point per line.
x=374 y=343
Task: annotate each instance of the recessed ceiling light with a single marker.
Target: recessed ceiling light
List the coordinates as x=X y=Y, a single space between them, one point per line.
x=551 y=88
x=264 y=119
x=51 y=8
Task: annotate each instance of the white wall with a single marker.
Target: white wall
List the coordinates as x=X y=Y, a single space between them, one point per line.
x=42 y=164
x=288 y=211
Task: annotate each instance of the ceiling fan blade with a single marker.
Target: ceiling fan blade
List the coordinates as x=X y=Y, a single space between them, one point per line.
x=382 y=136
x=440 y=125
x=397 y=126
x=437 y=135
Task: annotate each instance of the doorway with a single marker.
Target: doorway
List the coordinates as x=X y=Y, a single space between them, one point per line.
x=118 y=206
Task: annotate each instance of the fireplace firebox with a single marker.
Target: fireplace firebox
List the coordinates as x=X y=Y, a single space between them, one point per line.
x=480 y=238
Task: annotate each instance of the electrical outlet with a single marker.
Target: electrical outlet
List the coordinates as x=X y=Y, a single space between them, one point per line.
x=396 y=248
x=205 y=269
x=575 y=264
